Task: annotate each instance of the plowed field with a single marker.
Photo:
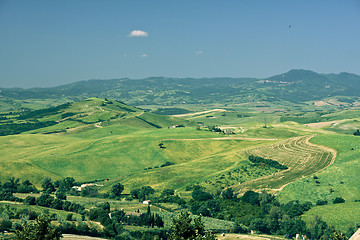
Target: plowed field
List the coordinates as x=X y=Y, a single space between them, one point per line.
x=300 y=156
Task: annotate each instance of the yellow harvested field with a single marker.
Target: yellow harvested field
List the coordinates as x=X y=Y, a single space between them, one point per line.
x=320 y=103
x=199 y=113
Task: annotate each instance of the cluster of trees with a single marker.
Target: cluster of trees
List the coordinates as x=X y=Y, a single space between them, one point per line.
x=142 y=193
x=168 y=196
x=16 y=128
x=270 y=162
x=107 y=217
x=161 y=145
x=40 y=229
x=33 y=226
x=8 y=214
x=215 y=129
x=356 y=133
x=259 y=211
x=184 y=227
x=63 y=185
x=12 y=186
x=46 y=200
x=42 y=112
x=67 y=114
x=113 y=221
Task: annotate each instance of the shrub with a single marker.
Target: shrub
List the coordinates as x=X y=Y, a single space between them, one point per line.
x=338 y=200
x=199 y=195
x=44 y=200
x=30 y=200
x=321 y=202
x=270 y=162
x=251 y=197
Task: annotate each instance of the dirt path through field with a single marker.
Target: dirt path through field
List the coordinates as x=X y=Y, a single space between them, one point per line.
x=322 y=124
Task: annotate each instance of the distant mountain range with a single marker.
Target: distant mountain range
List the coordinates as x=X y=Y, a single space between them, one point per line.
x=295 y=86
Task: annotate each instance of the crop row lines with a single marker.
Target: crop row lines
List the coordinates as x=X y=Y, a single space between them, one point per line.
x=302 y=158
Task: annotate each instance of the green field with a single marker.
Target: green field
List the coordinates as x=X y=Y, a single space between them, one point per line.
x=99 y=139
x=341 y=176
x=342 y=215
x=122 y=156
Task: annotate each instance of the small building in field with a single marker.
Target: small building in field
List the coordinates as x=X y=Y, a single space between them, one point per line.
x=147 y=202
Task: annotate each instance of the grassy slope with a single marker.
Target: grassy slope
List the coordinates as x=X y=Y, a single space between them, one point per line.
x=342 y=176
x=121 y=155
x=301 y=158
x=87 y=150
x=121 y=148
x=342 y=216
x=195 y=161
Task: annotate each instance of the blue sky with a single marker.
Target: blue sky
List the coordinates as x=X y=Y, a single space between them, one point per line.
x=49 y=43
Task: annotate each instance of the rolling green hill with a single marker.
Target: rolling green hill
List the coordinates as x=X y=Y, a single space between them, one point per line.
x=93 y=112
x=98 y=139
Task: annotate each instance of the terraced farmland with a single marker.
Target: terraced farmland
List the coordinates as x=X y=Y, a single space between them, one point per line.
x=301 y=157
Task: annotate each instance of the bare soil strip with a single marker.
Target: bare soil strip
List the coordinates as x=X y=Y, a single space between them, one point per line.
x=199 y=113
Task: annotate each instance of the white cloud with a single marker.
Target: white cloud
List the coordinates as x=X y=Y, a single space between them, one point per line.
x=198 y=52
x=138 y=33
x=144 y=55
